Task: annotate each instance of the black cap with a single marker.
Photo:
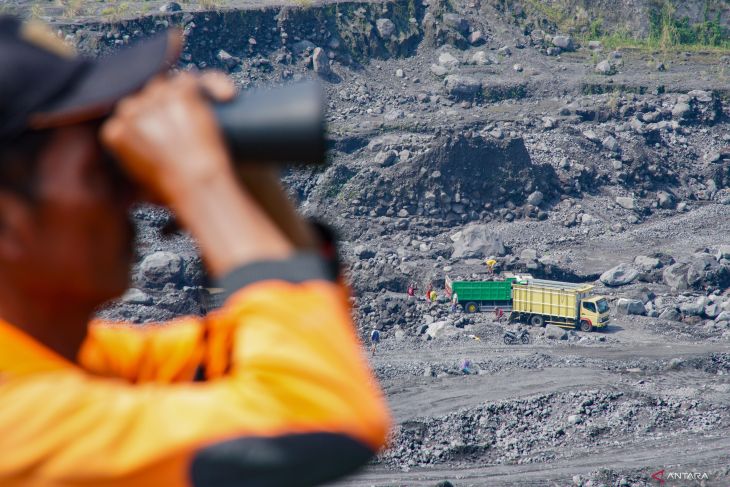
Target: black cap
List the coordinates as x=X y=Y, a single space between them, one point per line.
x=44 y=84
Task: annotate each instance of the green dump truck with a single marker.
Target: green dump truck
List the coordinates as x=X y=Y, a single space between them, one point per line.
x=534 y=301
x=483 y=295
x=565 y=304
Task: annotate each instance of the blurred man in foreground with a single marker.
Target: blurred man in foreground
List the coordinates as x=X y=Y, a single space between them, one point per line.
x=272 y=389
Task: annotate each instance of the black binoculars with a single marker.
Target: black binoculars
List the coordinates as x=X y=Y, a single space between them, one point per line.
x=279 y=125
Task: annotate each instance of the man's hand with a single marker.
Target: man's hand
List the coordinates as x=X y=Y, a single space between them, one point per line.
x=166 y=136
x=167 y=139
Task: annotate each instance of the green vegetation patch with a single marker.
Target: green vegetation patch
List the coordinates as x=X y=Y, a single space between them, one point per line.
x=667 y=32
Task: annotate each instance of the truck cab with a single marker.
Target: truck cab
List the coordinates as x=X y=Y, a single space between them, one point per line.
x=593 y=313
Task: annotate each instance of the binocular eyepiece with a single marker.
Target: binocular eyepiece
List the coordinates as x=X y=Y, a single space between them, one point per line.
x=279 y=125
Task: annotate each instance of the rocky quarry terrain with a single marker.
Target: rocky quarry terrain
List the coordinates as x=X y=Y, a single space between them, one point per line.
x=465 y=129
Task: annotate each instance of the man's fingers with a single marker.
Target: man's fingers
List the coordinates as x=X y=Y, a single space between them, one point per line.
x=111 y=133
x=218 y=86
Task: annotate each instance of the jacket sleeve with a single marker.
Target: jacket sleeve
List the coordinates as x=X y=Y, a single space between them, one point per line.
x=296 y=404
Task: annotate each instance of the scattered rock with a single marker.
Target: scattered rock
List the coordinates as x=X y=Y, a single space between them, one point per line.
x=675 y=276
x=605 y=68
x=626 y=202
x=385 y=27
x=666 y=200
x=456 y=22
x=564 y=42
x=681 y=111
x=555 y=333
x=611 y=144
x=723 y=252
x=320 y=62
x=549 y=123
x=670 y=314
x=528 y=254
x=478 y=241
x=227 y=59
x=447 y=60
x=620 y=275
x=480 y=58
x=476 y=38
x=385 y=158
x=136 y=296
x=696 y=308
x=626 y=306
x=170 y=7
x=647 y=263
x=462 y=87
x=160 y=268
x=535 y=198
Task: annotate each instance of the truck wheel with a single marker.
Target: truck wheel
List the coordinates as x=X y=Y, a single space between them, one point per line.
x=537 y=321
x=471 y=307
x=585 y=326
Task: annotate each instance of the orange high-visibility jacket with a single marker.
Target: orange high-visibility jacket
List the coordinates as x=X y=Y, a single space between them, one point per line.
x=271 y=390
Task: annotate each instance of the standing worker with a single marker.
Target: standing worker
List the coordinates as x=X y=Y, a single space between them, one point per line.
x=411 y=290
x=272 y=389
x=454 y=302
x=490 y=263
x=374 y=340
x=498 y=313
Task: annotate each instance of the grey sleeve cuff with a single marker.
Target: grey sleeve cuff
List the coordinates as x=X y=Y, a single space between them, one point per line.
x=300 y=267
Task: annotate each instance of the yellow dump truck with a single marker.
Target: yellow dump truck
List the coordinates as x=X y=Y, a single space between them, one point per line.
x=568 y=305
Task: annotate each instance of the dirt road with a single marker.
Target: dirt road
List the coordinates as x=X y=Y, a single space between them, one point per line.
x=635 y=363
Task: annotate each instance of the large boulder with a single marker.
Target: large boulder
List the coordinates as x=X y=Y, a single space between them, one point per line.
x=626 y=306
x=320 y=62
x=535 y=198
x=605 y=67
x=696 y=308
x=626 y=202
x=439 y=329
x=666 y=200
x=646 y=263
x=462 y=87
x=620 y=275
x=675 y=276
x=724 y=316
x=136 y=296
x=712 y=310
x=681 y=111
x=478 y=241
x=528 y=254
x=564 y=42
x=555 y=333
x=448 y=60
x=723 y=252
x=670 y=314
x=160 y=268
x=457 y=23
x=227 y=59
x=385 y=27
x=170 y=7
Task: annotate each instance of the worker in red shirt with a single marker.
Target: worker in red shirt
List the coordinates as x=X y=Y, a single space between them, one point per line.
x=272 y=389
